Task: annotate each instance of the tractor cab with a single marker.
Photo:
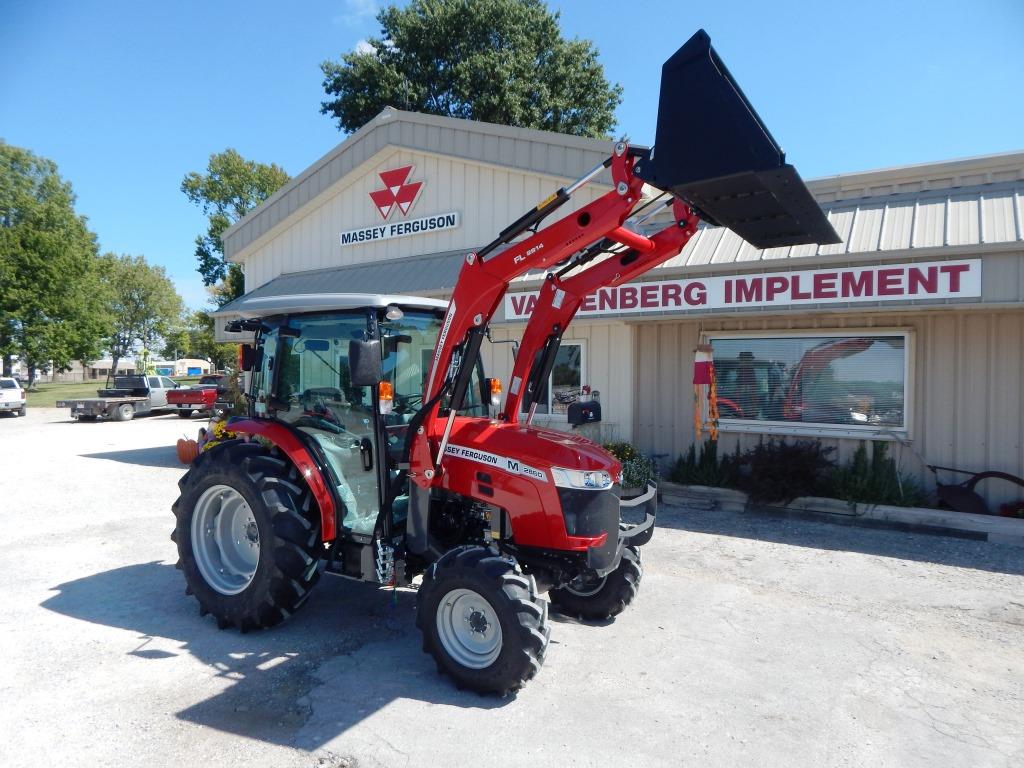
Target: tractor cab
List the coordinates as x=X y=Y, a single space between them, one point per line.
x=348 y=380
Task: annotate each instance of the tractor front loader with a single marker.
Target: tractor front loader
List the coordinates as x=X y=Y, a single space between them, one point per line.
x=384 y=454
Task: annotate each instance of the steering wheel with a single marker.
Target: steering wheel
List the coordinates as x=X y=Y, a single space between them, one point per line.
x=407 y=403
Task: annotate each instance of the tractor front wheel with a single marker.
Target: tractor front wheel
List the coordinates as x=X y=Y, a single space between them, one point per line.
x=601 y=598
x=248 y=535
x=482 y=620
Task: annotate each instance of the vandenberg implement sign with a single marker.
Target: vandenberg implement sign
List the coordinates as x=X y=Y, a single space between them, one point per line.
x=892 y=282
x=433 y=223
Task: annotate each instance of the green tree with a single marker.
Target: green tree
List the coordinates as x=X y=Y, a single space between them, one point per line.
x=231 y=187
x=51 y=309
x=194 y=337
x=142 y=304
x=500 y=61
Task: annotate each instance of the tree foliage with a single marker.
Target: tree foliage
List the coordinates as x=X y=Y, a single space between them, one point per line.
x=500 y=61
x=142 y=304
x=194 y=337
x=231 y=187
x=51 y=309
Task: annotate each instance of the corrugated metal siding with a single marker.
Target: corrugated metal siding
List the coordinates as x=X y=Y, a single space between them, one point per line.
x=483 y=196
x=870 y=227
x=968 y=389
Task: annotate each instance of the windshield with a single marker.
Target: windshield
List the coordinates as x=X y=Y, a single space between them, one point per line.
x=408 y=349
x=8 y=384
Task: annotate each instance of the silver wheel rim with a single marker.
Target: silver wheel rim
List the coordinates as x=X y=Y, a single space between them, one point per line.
x=225 y=539
x=585 y=588
x=469 y=628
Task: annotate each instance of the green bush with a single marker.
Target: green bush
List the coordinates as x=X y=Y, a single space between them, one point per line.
x=706 y=469
x=875 y=481
x=776 y=472
x=637 y=469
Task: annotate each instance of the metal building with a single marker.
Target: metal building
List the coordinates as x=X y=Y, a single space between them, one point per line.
x=911 y=330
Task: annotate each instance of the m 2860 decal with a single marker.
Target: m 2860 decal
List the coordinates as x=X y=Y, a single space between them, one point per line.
x=514 y=466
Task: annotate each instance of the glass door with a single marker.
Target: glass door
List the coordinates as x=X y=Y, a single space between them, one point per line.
x=312 y=391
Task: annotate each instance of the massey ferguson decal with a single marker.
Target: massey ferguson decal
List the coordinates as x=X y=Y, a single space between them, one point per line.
x=514 y=466
x=398 y=194
x=837 y=285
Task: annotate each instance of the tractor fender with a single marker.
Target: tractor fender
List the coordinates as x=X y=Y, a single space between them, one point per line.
x=299 y=455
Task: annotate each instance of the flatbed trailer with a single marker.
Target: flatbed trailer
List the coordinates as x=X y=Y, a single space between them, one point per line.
x=130 y=396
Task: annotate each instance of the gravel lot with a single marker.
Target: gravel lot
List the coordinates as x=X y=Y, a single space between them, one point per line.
x=754 y=641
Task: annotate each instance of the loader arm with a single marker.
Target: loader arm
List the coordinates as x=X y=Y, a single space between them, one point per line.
x=561 y=297
x=714 y=154
x=484 y=279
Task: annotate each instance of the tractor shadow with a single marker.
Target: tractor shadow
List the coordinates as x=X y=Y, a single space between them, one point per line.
x=157 y=456
x=901 y=542
x=350 y=652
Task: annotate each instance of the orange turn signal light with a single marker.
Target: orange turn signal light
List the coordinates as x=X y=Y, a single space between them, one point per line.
x=386 y=397
x=495 y=392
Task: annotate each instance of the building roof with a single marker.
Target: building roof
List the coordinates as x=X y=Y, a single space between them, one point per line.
x=928 y=210
x=521 y=149
x=929 y=222
x=429 y=273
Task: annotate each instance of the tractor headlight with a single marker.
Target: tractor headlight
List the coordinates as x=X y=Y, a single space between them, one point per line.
x=587 y=479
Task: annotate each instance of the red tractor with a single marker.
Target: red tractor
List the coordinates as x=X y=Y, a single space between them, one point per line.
x=376 y=449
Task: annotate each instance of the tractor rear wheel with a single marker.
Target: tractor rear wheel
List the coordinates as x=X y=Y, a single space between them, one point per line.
x=482 y=620
x=601 y=598
x=248 y=535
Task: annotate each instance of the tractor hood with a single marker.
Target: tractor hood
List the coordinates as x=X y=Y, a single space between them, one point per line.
x=526 y=450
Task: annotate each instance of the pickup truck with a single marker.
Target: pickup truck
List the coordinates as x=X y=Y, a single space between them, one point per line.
x=203 y=397
x=129 y=397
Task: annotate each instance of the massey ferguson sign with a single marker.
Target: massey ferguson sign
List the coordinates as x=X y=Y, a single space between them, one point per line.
x=398 y=194
x=892 y=282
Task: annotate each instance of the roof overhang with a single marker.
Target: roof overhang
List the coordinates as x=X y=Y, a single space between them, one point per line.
x=266 y=306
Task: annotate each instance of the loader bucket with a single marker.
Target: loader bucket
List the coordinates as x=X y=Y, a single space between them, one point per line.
x=712 y=150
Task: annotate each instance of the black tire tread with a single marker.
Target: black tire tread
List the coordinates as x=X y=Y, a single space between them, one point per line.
x=511 y=593
x=619 y=590
x=293 y=538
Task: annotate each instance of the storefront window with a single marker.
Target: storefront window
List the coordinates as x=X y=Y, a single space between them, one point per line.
x=565 y=382
x=848 y=381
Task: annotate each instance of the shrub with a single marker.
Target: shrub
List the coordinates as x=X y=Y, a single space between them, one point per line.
x=637 y=469
x=875 y=481
x=706 y=469
x=776 y=472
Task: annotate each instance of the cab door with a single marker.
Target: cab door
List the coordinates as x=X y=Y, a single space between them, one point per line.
x=306 y=372
x=157 y=392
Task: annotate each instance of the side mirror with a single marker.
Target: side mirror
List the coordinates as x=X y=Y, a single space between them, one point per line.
x=364 y=363
x=252 y=358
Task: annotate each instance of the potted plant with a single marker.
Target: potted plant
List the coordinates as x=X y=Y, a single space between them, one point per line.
x=637 y=470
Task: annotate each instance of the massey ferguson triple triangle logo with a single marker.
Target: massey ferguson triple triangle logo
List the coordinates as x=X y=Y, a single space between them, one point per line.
x=396 y=192
x=402 y=194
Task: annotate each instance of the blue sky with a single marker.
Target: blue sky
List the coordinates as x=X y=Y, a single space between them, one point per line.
x=127 y=97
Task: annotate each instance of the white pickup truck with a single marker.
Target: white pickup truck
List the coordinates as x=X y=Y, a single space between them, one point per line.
x=129 y=397
x=12 y=397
